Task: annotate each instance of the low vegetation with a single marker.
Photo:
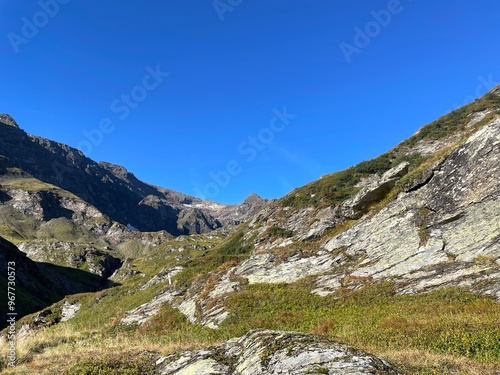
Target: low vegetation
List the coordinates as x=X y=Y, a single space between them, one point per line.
x=335 y=188
x=449 y=331
x=276 y=231
x=447 y=322
x=455 y=120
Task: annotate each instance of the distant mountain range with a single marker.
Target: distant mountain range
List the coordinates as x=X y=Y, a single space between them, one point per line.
x=110 y=188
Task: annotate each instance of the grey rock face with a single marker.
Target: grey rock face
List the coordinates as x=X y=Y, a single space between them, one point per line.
x=146 y=311
x=355 y=207
x=275 y=352
x=69 y=310
x=240 y=213
x=442 y=230
x=208 y=311
x=74 y=255
x=7 y=120
x=451 y=223
x=261 y=268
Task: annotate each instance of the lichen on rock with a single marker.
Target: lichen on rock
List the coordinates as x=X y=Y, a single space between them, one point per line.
x=265 y=352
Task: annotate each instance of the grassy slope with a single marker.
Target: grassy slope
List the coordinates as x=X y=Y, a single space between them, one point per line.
x=448 y=331
x=335 y=188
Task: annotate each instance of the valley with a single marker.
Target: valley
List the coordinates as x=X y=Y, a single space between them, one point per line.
x=391 y=266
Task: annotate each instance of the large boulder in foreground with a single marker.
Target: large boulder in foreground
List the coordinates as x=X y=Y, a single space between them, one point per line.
x=275 y=352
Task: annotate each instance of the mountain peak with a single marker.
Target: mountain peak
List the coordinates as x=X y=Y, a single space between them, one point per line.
x=253 y=197
x=8 y=120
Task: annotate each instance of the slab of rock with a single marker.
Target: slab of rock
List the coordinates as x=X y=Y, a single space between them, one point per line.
x=260 y=268
x=146 y=311
x=356 y=206
x=69 y=310
x=164 y=275
x=275 y=352
x=7 y=120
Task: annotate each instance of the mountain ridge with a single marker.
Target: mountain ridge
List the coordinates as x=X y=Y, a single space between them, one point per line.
x=110 y=188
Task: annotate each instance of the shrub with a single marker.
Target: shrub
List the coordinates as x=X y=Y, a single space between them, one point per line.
x=111 y=367
x=276 y=231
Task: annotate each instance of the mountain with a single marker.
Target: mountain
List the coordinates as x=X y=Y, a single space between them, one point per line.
x=66 y=211
x=60 y=207
x=398 y=256
x=110 y=188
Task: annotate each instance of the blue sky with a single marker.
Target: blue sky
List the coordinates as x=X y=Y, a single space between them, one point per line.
x=220 y=99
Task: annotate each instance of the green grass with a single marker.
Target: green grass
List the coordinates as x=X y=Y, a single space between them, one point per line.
x=335 y=188
x=16 y=226
x=455 y=120
x=235 y=245
x=112 y=367
x=448 y=321
x=232 y=251
x=133 y=248
x=276 y=231
x=451 y=325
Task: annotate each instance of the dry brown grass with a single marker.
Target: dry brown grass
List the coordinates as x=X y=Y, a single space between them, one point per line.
x=413 y=361
x=49 y=352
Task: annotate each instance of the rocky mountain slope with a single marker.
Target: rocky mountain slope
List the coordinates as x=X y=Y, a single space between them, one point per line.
x=440 y=226
x=38 y=285
x=424 y=215
x=399 y=255
x=111 y=189
x=62 y=208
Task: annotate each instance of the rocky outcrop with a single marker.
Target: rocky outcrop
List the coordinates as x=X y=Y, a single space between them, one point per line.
x=452 y=224
x=46 y=202
x=201 y=303
x=373 y=192
x=308 y=223
x=242 y=212
x=263 y=268
x=443 y=230
x=69 y=310
x=7 y=120
x=275 y=352
x=146 y=311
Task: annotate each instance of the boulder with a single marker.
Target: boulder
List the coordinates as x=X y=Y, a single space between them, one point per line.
x=275 y=352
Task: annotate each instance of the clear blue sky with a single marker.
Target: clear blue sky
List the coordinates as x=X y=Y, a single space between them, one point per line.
x=92 y=63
